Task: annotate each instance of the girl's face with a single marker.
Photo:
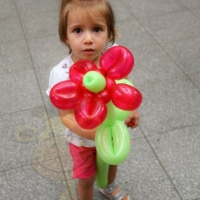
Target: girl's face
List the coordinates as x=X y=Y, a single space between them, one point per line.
x=87 y=35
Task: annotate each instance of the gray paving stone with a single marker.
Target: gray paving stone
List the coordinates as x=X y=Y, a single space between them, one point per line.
x=145 y=8
x=7 y=8
x=121 y=12
x=135 y=133
x=30 y=6
x=143 y=177
x=179 y=152
x=186 y=54
x=26 y=137
x=47 y=51
x=53 y=171
x=169 y=105
x=59 y=133
x=196 y=11
x=173 y=27
x=196 y=79
x=19 y=91
x=190 y=4
x=11 y=29
x=152 y=65
x=14 y=57
x=43 y=74
x=133 y=35
x=40 y=25
x=25 y=183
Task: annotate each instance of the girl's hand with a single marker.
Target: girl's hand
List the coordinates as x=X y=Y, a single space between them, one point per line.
x=133 y=119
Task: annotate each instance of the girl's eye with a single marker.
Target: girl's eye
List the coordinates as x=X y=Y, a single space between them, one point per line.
x=97 y=29
x=77 y=30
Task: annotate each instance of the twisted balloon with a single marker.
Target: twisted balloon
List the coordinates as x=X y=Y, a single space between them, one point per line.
x=102 y=98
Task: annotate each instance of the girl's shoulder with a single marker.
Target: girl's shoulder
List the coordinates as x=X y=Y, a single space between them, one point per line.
x=109 y=45
x=60 y=72
x=63 y=67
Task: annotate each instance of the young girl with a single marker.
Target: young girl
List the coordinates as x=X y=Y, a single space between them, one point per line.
x=87 y=27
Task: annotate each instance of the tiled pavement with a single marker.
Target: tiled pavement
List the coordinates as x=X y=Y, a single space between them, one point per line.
x=164 y=162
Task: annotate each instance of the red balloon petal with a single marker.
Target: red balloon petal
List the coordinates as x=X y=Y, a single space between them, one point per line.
x=110 y=83
x=117 y=62
x=79 y=69
x=90 y=113
x=65 y=95
x=126 y=97
x=104 y=95
x=86 y=93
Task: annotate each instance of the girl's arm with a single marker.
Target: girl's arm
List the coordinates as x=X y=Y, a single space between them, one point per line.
x=67 y=118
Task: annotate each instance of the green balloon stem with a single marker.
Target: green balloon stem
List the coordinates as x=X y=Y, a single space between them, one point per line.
x=112 y=140
x=102 y=166
x=102 y=173
x=111 y=114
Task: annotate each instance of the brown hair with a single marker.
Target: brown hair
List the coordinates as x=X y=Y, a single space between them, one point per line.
x=103 y=6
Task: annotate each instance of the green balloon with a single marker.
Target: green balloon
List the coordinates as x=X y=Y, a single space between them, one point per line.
x=102 y=173
x=111 y=114
x=94 y=81
x=125 y=81
x=113 y=142
x=121 y=114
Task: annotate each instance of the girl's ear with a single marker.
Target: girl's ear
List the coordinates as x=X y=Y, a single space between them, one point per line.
x=66 y=41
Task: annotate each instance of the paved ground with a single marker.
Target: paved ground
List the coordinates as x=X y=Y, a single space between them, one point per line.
x=164 y=162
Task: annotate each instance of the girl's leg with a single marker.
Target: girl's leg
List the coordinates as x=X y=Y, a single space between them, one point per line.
x=112 y=173
x=113 y=190
x=85 y=188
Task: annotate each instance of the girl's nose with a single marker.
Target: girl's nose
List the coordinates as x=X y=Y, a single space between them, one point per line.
x=88 y=38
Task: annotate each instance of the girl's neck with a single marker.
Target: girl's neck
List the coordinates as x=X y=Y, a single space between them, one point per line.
x=75 y=60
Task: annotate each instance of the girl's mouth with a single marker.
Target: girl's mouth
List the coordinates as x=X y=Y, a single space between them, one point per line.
x=88 y=51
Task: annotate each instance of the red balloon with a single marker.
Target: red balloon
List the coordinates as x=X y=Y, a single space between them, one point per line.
x=90 y=109
x=64 y=95
x=104 y=95
x=126 y=97
x=117 y=62
x=79 y=69
x=110 y=83
x=90 y=113
x=86 y=93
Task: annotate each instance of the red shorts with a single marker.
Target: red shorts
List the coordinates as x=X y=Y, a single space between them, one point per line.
x=84 y=159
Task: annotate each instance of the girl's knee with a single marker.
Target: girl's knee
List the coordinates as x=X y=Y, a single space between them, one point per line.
x=87 y=182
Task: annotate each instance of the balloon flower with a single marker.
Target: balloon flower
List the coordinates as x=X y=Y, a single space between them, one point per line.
x=102 y=98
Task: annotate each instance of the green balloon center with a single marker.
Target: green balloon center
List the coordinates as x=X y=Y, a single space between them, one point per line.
x=94 y=81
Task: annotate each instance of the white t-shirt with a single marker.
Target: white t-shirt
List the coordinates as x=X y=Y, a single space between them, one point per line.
x=61 y=73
